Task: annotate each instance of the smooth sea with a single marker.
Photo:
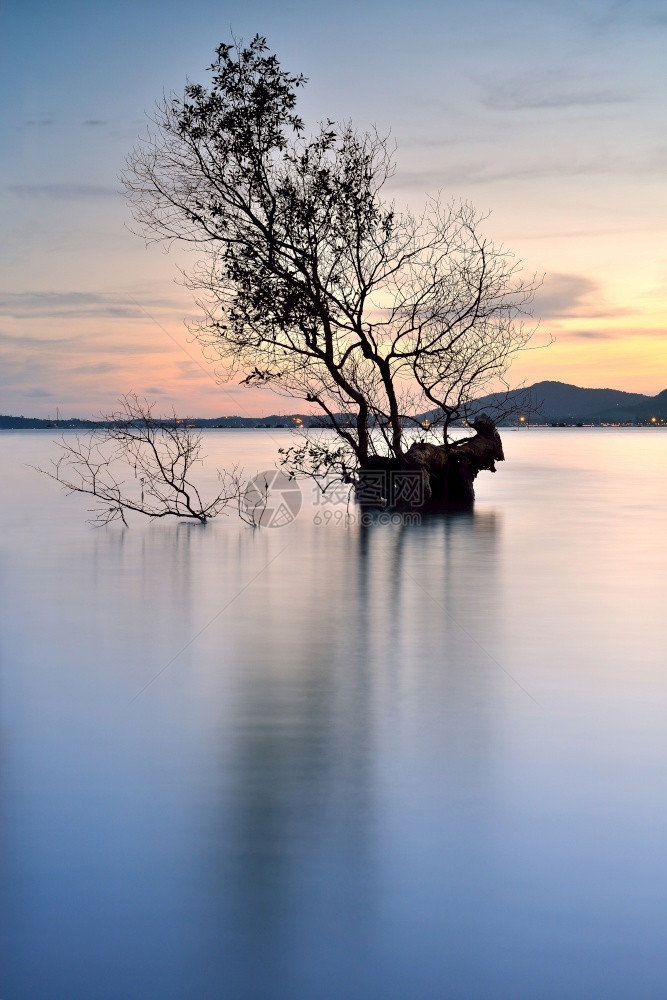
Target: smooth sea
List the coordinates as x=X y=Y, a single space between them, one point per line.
x=336 y=760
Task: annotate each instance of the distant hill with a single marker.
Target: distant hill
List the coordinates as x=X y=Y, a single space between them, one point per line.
x=561 y=402
x=544 y=402
x=37 y=423
x=653 y=406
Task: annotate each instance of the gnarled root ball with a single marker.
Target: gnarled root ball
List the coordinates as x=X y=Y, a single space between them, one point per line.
x=429 y=476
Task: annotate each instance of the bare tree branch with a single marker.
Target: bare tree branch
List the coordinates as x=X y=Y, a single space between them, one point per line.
x=143 y=464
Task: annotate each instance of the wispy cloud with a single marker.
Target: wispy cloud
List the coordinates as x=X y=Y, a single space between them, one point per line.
x=577 y=234
x=524 y=94
x=61 y=192
x=21 y=305
x=564 y=295
x=37 y=392
x=189 y=371
x=573 y=295
x=96 y=368
x=94 y=122
x=621 y=14
x=10 y=340
x=586 y=335
x=82 y=305
x=490 y=170
x=75 y=346
x=487 y=172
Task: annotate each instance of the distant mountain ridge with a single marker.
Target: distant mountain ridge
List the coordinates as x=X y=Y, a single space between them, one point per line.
x=543 y=402
x=562 y=402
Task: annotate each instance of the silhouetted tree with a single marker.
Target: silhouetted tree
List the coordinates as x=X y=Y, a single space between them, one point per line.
x=310 y=282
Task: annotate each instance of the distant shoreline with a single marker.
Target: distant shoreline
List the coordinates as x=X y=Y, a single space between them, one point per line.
x=30 y=424
x=547 y=404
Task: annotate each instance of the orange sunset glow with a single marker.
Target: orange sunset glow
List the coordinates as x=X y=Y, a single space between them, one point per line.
x=543 y=117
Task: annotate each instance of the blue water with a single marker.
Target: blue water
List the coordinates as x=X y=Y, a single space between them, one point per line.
x=340 y=761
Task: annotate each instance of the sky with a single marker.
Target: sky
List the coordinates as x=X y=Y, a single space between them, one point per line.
x=549 y=116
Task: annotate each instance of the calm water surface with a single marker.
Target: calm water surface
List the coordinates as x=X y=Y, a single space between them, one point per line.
x=367 y=763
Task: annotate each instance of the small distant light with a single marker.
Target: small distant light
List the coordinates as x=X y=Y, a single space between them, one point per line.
x=522 y=419
x=654 y=420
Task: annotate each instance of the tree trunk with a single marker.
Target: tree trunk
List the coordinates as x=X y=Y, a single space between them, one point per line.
x=429 y=476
